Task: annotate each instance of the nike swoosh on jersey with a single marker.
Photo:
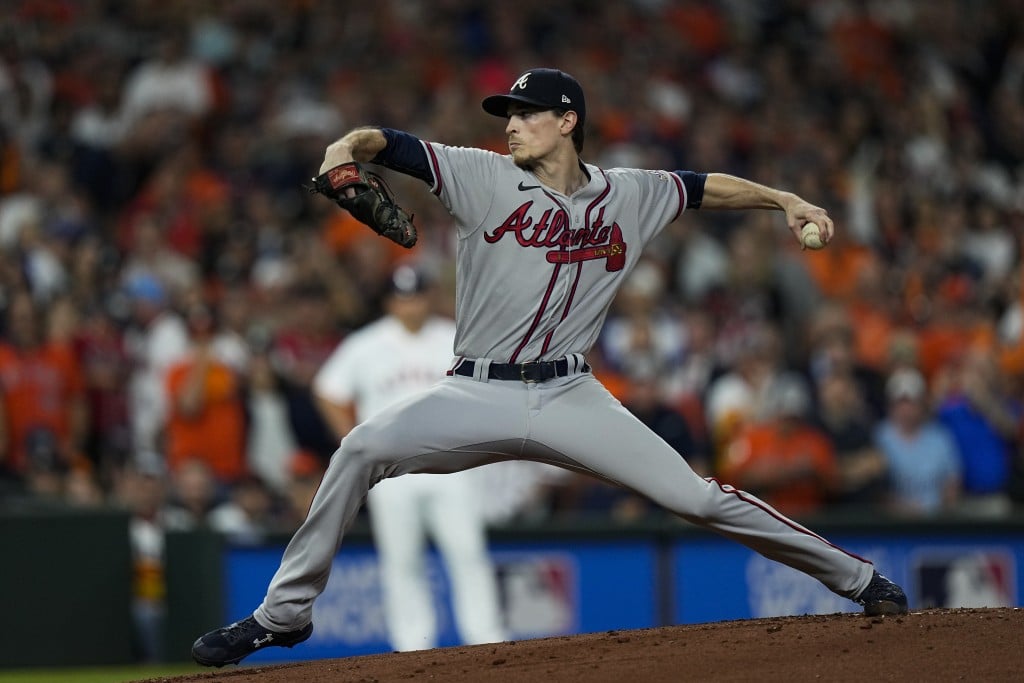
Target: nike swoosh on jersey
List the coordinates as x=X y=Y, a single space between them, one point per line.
x=524 y=188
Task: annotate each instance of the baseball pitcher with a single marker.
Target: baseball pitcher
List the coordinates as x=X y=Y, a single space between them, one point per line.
x=544 y=242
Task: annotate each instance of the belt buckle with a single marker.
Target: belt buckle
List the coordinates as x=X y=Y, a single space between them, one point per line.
x=523 y=370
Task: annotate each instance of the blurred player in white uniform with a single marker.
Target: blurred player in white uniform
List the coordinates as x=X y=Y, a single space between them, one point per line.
x=399 y=355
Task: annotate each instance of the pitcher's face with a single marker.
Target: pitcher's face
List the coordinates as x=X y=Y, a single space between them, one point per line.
x=532 y=134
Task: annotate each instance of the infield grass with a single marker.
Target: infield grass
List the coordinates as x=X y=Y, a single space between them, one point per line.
x=115 y=674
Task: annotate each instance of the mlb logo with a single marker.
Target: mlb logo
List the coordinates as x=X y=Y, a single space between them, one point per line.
x=973 y=578
x=538 y=593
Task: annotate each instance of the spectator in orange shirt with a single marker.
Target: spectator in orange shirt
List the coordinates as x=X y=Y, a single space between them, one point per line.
x=207 y=419
x=41 y=391
x=786 y=461
x=959 y=322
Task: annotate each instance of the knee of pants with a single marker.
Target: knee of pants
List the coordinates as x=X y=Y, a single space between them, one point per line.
x=362 y=448
x=354 y=451
x=699 y=503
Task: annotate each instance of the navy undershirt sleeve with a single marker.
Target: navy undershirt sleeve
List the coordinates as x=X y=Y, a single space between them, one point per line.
x=404 y=153
x=694 y=184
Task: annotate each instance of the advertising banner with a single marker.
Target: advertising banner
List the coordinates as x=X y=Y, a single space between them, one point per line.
x=546 y=589
x=716 y=579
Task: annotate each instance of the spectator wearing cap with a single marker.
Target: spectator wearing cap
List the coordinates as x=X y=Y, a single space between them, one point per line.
x=786 y=460
x=924 y=464
x=155 y=339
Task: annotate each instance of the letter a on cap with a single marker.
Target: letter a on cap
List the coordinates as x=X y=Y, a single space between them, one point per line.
x=521 y=83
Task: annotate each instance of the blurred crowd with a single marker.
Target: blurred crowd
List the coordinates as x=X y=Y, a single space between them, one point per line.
x=168 y=288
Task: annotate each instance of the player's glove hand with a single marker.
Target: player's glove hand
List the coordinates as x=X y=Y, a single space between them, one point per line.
x=366 y=196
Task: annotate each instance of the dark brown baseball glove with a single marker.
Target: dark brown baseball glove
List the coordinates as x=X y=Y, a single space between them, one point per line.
x=371 y=201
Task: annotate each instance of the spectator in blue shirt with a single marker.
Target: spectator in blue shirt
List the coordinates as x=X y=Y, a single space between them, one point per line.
x=972 y=403
x=924 y=465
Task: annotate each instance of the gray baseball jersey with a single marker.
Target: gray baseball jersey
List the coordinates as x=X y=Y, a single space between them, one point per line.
x=537 y=271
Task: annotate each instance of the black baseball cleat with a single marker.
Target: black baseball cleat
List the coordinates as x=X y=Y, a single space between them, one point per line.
x=234 y=642
x=882 y=597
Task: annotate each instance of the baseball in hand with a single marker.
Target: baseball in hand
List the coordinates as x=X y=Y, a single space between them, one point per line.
x=810 y=236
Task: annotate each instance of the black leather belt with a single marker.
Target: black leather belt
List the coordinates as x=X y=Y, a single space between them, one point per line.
x=530 y=372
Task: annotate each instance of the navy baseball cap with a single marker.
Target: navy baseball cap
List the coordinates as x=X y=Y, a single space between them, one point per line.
x=408 y=281
x=547 y=88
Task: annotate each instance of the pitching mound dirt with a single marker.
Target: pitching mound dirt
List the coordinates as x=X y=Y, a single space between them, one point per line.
x=930 y=645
